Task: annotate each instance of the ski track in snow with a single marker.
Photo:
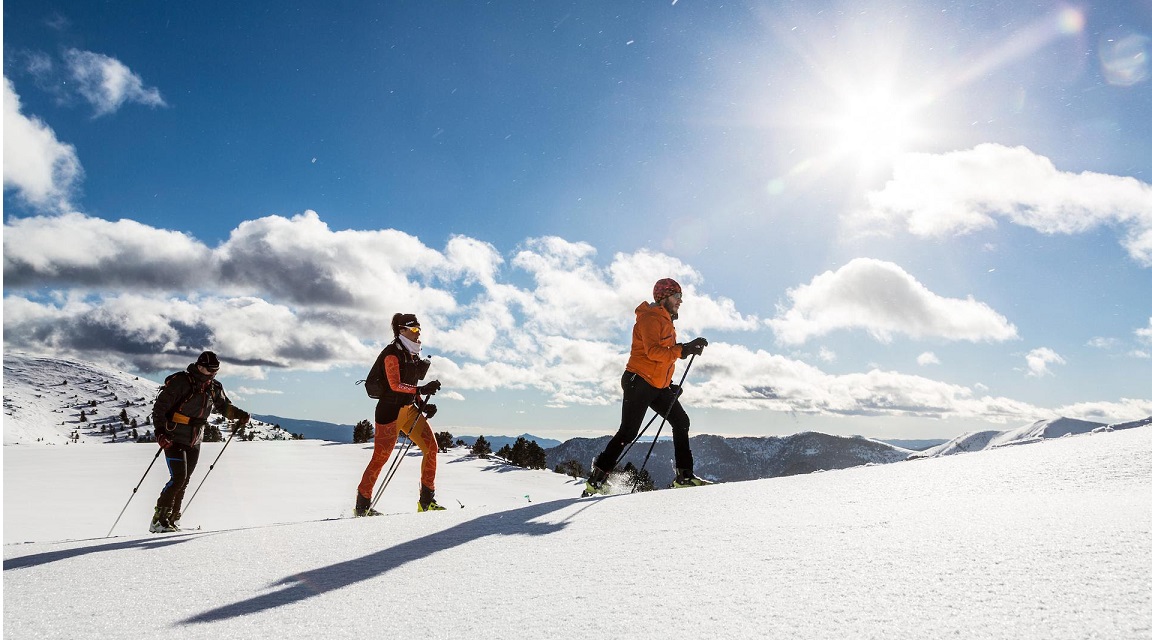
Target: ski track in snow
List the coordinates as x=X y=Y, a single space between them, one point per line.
x=1048 y=540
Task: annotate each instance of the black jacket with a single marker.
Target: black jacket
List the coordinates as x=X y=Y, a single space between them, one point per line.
x=186 y=400
x=412 y=369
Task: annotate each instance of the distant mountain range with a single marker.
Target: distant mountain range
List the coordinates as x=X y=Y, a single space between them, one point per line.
x=497 y=442
x=311 y=429
x=731 y=459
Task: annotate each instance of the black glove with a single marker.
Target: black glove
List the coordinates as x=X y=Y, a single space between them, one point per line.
x=163 y=440
x=675 y=389
x=242 y=417
x=694 y=348
x=430 y=388
x=429 y=410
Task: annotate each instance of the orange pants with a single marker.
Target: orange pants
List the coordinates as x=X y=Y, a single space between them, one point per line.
x=413 y=423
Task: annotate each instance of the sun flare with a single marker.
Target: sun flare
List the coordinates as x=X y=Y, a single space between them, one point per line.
x=875 y=128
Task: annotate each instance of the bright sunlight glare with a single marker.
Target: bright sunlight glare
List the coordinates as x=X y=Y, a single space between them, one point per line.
x=873 y=129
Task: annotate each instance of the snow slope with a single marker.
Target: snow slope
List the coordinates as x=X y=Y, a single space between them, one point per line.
x=1050 y=541
x=44 y=396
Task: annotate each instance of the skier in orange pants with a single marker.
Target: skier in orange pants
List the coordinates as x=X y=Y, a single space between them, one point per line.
x=402 y=407
x=416 y=427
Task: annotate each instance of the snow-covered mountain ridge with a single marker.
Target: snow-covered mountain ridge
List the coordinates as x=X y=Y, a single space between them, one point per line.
x=1027 y=434
x=44 y=398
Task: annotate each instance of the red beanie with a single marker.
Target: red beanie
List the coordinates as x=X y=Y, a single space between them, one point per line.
x=665 y=288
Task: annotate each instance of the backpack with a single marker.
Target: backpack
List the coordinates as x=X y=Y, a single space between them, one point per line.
x=374 y=383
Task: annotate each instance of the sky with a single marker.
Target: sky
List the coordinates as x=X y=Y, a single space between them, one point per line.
x=1047 y=541
x=889 y=219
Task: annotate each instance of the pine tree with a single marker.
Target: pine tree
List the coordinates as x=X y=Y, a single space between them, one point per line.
x=535 y=456
x=124 y=416
x=363 y=432
x=481 y=448
x=572 y=468
x=212 y=433
x=444 y=441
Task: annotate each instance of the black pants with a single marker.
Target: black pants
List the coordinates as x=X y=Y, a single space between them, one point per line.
x=181 y=459
x=639 y=396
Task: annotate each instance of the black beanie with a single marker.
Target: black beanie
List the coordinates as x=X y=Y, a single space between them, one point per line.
x=401 y=320
x=209 y=361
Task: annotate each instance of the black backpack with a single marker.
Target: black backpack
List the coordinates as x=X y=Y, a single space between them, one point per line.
x=374 y=383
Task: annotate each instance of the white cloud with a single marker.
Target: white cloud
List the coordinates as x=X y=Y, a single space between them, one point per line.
x=1103 y=343
x=107 y=83
x=882 y=299
x=743 y=379
x=827 y=355
x=927 y=358
x=963 y=191
x=322 y=298
x=255 y=391
x=1145 y=334
x=1126 y=410
x=78 y=250
x=42 y=170
x=291 y=293
x=1039 y=359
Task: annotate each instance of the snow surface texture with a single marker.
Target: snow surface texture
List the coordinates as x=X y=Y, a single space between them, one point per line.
x=1052 y=540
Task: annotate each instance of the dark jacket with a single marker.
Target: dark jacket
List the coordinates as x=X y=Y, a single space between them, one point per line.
x=402 y=372
x=187 y=399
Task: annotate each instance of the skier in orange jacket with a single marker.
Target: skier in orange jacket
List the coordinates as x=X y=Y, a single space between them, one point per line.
x=647 y=383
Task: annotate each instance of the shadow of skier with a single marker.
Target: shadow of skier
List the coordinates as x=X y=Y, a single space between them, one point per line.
x=144 y=544
x=301 y=586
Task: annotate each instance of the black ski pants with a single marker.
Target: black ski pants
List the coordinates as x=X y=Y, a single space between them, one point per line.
x=639 y=396
x=181 y=459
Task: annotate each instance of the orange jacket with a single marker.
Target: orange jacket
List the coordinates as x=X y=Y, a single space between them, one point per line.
x=654 y=349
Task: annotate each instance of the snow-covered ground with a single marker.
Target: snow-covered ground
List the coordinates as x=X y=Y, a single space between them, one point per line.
x=1051 y=540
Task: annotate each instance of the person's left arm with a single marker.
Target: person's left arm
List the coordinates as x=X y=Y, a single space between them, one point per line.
x=225 y=407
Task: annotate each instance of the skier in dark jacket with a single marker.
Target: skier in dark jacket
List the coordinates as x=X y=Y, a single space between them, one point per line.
x=180 y=414
x=647 y=383
x=402 y=407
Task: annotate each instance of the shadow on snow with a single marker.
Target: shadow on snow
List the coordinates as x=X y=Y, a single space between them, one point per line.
x=301 y=586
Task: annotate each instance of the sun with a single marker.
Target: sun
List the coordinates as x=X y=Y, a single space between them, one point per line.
x=871 y=129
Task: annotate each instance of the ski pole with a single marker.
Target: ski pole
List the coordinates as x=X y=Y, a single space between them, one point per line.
x=395 y=466
x=210 y=467
x=675 y=398
x=134 y=489
x=636 y=439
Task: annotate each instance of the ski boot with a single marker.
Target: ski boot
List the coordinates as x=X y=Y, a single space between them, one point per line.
x=685 y=478
x=427 y=501
x=162 y=521
x=597 y=483
x=364 y=507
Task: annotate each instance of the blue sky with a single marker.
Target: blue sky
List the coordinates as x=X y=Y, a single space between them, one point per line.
x=891 y=220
